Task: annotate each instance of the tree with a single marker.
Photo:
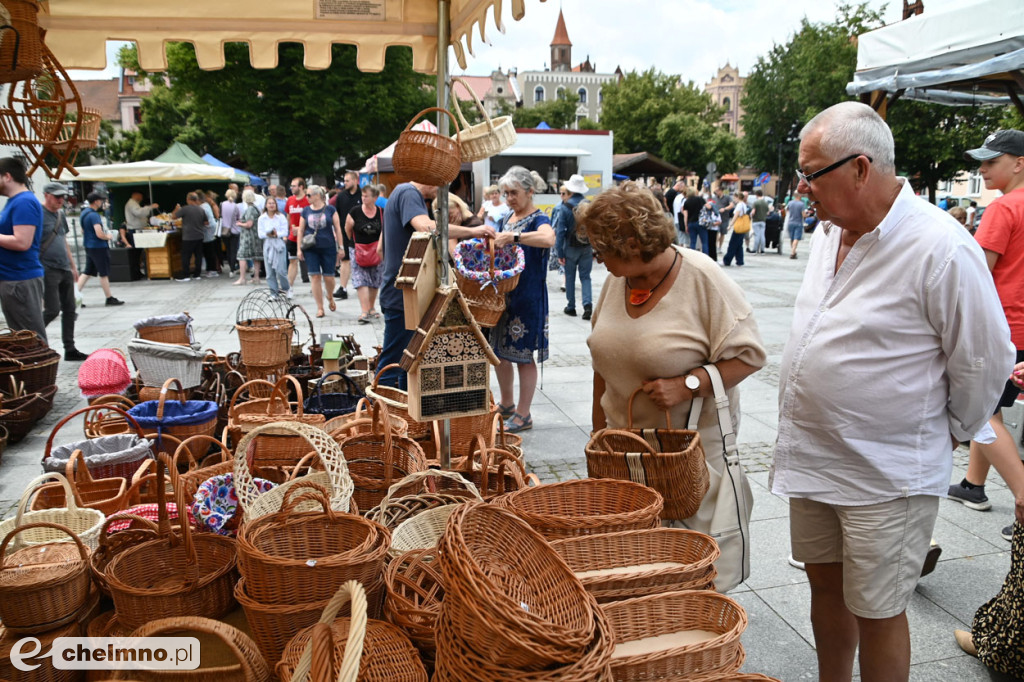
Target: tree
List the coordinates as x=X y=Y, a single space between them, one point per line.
x=558 y=113
x=795 y=81
x=690 y=142
x=288 y=118
x=635 y=106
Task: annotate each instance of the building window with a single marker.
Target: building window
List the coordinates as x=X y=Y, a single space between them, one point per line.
x=600 y=96
x=727 y=103
x=974 y=184
x=137 y=115
x=582 y=92
x=560 y=92
x=538 y=94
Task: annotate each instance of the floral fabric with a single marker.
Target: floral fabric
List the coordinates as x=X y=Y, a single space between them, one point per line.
x=216 y=503
x=473 y=261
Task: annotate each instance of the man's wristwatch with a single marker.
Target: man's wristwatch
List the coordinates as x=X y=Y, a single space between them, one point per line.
x=692 y=383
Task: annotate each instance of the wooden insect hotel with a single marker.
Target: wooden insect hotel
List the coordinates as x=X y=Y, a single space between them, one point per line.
x=447 y=361
x=417 y=278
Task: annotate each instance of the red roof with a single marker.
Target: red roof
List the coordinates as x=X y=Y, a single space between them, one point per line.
x=101 y=95
x=479 y=84
x=561 y=35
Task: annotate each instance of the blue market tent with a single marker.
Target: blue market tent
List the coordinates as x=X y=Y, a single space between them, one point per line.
x=254 y=180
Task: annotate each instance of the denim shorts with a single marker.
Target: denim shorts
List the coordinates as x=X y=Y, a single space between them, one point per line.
x=321 y=261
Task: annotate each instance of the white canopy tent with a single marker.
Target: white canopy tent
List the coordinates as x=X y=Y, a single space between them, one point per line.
x=151 y=171
x=971 y=55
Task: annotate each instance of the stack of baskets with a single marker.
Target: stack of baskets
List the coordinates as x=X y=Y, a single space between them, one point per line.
x=28 y=375
x=485 y=274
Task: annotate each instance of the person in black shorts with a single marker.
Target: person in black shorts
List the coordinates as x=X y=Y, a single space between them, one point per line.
x=344 y=201
x=97 y=247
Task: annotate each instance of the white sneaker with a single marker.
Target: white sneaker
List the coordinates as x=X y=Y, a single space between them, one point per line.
x=796 y=564
x=290 y=294
x=210 y=274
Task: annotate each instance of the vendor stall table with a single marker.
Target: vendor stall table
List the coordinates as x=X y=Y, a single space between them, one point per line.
x=163 y=252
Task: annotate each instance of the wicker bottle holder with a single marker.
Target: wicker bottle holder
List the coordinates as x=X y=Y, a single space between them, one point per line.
x=290 y=557
x=676 y=612
x=42 y=587
x=348 y=649
x=425 y=157
x=585 y=507
x=635 y=563
x=378 y=459
x=178 y=574
x=108 y=495
x=83 y=522
x=249 y=665
x=486 y=139
x=508 y=594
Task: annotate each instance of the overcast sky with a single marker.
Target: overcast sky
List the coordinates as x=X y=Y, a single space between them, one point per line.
x=691 y=38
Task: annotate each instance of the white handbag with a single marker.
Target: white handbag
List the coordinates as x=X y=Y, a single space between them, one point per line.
x=729 y=496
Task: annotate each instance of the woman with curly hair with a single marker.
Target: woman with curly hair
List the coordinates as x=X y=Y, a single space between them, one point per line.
x=687 y=313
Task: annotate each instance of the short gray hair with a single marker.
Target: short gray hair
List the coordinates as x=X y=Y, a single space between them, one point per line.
x=248 y=196
x=316 y=189
x=854 y=128
x=517 y=177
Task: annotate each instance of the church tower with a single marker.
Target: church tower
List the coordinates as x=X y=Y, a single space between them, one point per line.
x=561 y=47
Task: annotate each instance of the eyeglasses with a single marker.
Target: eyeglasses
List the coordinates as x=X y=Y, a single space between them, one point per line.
x=810 y=177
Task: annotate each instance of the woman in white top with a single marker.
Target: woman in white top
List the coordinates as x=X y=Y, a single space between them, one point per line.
x=272 y=228
x=494 y=209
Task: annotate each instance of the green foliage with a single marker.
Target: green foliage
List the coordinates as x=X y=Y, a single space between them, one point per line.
x=691 y=142
x=587 y=124
x=931 y=139
x=286 y=118
x=635 y=106
x=113 y=148
x=470 y=111
x=559 y=113
x=795 y=81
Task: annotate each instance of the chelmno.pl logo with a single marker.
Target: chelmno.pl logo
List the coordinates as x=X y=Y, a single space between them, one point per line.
x=108 y=653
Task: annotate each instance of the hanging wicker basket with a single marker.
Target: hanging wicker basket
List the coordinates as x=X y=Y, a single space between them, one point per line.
x=21 y=43
x=482 y=140
x=425 y=157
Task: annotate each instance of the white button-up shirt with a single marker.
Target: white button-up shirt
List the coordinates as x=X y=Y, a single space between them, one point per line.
x=904 y=345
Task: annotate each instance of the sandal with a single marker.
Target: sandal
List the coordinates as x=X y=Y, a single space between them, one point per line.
x=332 y=305
x=518 y=422
x=506 y=411
x=364 y=319
x=319 y=313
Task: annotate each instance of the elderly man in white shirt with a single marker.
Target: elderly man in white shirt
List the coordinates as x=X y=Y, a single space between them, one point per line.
x=898 y=351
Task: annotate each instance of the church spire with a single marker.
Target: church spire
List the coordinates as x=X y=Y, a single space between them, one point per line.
x=561 y=47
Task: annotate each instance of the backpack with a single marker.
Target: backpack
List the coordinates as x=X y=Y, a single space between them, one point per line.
x=568 y=217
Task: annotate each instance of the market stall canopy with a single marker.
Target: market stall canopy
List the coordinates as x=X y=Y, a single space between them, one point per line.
x=179 y=152
x=149 y=171
x=254 y=180
x=971 y=55
x=642 y=163
x=77 y=30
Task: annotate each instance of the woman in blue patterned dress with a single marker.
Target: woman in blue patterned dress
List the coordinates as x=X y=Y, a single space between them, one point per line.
x=523 y=328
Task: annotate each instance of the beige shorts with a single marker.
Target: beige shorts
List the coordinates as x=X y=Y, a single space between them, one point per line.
x=882 y=547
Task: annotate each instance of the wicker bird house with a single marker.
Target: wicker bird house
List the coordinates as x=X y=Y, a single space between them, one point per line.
x=417 y=278
x=447 y=361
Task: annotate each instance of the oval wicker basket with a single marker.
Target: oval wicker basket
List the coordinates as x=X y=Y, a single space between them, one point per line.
x=486 y=139
x=265 y=342
x=392 y=510
x=347 y=649
x=415 y=589
x=292 y=557
x=585 y=507
x=108 y=495
x=509 y=593
x=83 y=522
x=426 y=157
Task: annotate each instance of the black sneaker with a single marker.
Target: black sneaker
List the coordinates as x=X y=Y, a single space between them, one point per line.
x=1007 y=533
x=74 y=355
x=340 y=293
x=114 y=301
x=973 y=498
x=588 y=310
x=571 y=312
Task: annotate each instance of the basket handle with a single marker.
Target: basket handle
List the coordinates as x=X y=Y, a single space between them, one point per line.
x=376 y=377
x=238 y=392
x=224 y=632
x=79 y=473
x=476 y=101
x=105 y=534
x=279 y=391
x=85 y=410
x=163 y=469
x=42 y=524
x=36 y=483
x=600 y=438
x=440 y=110
x=629 y=410
x=297 y=494
x=183 y=449
x=419 y=476
x=163 y=396
x=349 y=671
x=309 y=320
x=382 y=421
x=353 y=388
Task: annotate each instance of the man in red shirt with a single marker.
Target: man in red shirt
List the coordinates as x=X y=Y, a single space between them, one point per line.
x=293 y=207
x=1001 y=236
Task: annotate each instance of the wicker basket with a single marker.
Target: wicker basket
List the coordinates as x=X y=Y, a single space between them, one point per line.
x=249 y=665
x=494 y=471
x=361 y=421
x=43 y=586
x=107 y=423
x=291 y=557
x=335 y=475
x=108 y=495
x=635 y=563
x=482 y=140
x=265 y=342
x=378 y=459
x=178 y=574
x=33 y=372
x=83 y=522
x=424 y=530
x=18 y=341
x=585 y=507
x=415 y=588
x=397 y=401
x=46 y=672
x=336 y=403
x=669 y=460
x=20 y=415
x=170 y=333
x=425 y=157
x=158 y=362
x=707 y=628
x=348 y=649
x=392 y=510
x=273 y=447
x=486 y=300
x=113 y=543
x=117 y=455
x=179 y=418
x=509 y=594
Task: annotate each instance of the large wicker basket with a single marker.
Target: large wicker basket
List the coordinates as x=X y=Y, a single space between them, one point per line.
x=584 y=507
x=482 y=140
x=83 y=522
x=426 y=157
x=415 y=589
x=265 y=342
x=485 y=297
x=21 y=54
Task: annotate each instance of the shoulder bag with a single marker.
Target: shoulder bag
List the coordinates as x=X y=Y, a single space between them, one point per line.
x=741 y=225
x=309 y=240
